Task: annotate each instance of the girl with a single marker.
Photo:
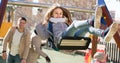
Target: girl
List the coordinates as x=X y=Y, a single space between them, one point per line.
x=58 y=24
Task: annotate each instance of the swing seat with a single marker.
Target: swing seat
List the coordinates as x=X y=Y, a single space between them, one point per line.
x=74 y=43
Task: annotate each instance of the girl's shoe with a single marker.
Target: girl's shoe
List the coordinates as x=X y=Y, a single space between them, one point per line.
x=113 y=29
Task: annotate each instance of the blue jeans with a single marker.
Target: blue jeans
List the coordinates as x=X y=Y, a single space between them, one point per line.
x=80 y=28
x=13 y=59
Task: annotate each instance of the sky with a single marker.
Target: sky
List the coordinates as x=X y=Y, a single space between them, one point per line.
x=114 y=5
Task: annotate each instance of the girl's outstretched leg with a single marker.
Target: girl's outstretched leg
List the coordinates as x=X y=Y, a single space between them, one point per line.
x=107 y=34
x=70 y=31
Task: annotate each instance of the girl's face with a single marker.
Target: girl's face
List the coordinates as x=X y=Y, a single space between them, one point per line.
x=57 y=13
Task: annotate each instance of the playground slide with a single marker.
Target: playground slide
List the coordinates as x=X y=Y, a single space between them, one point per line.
x=4 y=28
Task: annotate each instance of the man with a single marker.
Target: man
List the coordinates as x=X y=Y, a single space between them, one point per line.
x=18 y=38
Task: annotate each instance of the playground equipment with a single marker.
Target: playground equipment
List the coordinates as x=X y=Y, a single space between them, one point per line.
x=4 y=28
x=108 y=19
x=3 y=4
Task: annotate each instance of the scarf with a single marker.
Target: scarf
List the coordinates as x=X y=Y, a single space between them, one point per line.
x=56 y=20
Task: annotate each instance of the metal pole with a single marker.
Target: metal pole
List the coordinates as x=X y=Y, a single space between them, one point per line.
x=3 y=4
x=44 y=5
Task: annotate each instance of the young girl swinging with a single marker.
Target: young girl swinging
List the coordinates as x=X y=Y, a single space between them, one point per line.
x=58 y=23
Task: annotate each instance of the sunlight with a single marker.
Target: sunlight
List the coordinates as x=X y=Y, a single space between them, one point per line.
x=114 y=5
x=35 y=9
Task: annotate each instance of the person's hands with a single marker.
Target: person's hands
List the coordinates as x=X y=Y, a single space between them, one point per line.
x=23 y=61
x=4 y=55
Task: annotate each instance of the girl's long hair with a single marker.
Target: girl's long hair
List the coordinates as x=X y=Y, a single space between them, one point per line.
x=66 y=14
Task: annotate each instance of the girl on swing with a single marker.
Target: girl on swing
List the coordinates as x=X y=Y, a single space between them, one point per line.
x=58 y=23
x=63 y=26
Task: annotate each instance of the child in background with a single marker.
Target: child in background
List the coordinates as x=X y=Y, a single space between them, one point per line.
x=99 y=57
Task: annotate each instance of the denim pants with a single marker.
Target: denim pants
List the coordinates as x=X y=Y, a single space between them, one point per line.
x=13 y=59
x=80 y=28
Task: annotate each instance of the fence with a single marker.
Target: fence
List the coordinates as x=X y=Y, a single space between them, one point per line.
x=112 y=51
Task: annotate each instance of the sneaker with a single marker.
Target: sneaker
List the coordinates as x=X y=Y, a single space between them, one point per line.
x=113 y=29
x=97 y=19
